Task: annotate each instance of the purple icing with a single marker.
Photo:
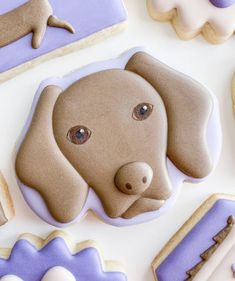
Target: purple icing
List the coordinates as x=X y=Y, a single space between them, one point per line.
x=233 y=269
x=87 y=17
x=187 y=253
x=93 y=203
x=30 y=264
x=222 y=3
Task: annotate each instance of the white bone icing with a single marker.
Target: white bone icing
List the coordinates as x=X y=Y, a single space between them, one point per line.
x=57 y=273
x=10 y=278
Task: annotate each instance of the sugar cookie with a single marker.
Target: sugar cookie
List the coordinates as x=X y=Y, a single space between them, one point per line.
x=6 y=204
x=117 y=137
x=33 y=31
x=56 y=258
x=204 y=248
x=214 y=19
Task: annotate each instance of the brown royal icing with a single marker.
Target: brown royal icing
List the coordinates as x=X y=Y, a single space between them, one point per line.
x=34 y=16
x=112 y=131
x=218 y=239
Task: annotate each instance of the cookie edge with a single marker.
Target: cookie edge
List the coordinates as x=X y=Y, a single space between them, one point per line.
x=172 y=16
x=5 y=199
x=74 y=248
x=187 y=227
x=67 y=49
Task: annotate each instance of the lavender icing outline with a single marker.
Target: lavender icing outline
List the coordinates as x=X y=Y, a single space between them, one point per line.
x=93 y=203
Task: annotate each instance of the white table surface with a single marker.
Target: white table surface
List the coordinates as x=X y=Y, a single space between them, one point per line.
x=134 y=246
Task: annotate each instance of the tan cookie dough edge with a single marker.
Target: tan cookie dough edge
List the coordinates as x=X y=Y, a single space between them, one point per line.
x=206 y=30
x=233 y=93
x=186 y=228
x=39 y=243
x=83 y=43
x=6 y=202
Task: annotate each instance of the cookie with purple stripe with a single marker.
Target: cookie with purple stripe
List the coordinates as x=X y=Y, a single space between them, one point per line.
x=204 y=248
x=56 y=258
x=33 y=31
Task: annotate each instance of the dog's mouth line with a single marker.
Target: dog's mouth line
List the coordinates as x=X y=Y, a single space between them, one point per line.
x=143 y=205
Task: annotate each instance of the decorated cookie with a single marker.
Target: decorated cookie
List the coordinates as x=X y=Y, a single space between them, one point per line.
x=57 y=258
x=35 y=30
x=6 y=204
x=214 y=19
x=204 y=248
x=118 y=137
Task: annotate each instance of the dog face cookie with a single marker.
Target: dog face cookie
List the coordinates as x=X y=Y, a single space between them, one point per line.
x=6 y=204
x=204 y=248
x=121 y=135
x=214 y=19
x=56 y=258
x=35 y=30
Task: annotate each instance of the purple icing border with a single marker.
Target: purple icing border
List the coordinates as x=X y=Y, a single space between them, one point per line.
x=199 y=239
x=222 y=3
x=30 y=264
x=86 y=16
x=36 y=202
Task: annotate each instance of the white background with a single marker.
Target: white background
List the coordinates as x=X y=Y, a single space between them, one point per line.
x=135 y=246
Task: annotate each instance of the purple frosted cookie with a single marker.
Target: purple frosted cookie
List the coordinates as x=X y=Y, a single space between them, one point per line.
x=35 y=30
x=117 y=137
x=204 y=248
x=56 y=258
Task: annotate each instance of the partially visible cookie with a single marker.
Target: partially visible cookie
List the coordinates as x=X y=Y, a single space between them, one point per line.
x=6 y=204
x=56 y=258
x=214 y=19
x=233 y=93
x=33 y=31
x=204 y=248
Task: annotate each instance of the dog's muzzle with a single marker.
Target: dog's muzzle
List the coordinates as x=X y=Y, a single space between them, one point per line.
x=134 y=178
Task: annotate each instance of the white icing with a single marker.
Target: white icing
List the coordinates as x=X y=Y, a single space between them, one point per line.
x=218 y=267
x=194 y=14
x=10 y=278
x=57 y=273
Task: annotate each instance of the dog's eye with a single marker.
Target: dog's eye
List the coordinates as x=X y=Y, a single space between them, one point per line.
x=78 y=134
x=142 y=111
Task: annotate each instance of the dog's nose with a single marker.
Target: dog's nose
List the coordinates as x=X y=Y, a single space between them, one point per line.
x=134 y=178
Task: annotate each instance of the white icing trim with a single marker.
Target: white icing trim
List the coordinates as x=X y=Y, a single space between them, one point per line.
x=11 y=278
x=57 y=273
x=194 y=14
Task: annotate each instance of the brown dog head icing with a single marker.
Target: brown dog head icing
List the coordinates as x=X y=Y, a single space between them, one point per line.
x=34 y=16
x=112 y=131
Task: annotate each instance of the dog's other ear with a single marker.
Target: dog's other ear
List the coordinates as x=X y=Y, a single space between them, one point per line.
x=42 y=166
x=188 y=106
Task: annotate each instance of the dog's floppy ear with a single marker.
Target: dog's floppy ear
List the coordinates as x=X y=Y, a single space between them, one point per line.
x=42 y=166
x=188 y=106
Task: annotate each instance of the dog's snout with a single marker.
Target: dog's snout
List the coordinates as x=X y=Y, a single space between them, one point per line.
x=134 y=178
